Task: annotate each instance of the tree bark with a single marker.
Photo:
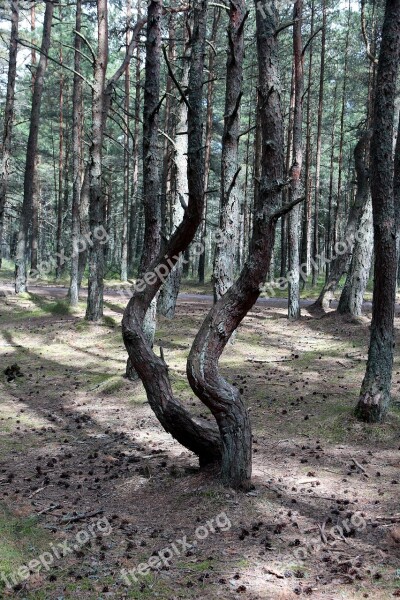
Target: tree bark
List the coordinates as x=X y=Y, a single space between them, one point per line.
x=224 y=400
x=198 y=435
x=8 y=116
x=21 y=261
x=60 y=166
x=374 y=398
x=77 y=126
x=225 y=254
x=315 y=250
x=296 y=168
x=125 y=208
x=340 y=263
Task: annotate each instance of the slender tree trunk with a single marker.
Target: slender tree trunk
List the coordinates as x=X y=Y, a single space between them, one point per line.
x=94 y=310
x=341 y=138
x=8 y=116
x=77 y=126
x=375 y=390
x=31 y=157
x=307 y=212
x=329 y=240
x=319 y=149
x=169 y=291
x=285 y=195
x=60 y=168
x=125 y=208
x=345 y=247
x=295 y=171
x=209 y=120
x=225 y=254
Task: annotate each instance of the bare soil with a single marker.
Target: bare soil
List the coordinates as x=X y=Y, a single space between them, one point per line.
x=78 y=442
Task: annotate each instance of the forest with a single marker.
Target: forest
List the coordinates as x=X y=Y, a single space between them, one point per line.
x=199 y=299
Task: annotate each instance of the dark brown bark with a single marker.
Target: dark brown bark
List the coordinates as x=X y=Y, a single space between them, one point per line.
x=209 y=128
x=21 y=276
x=197 y=435
x=77 y=126
x=125 y=208
x=315 y=249
x=60 y=201
x=307 y=213
x=375 y=390
x=94 y=309
x=225 y=254
x=8 y=116
x=223 y=399
x=296 y=168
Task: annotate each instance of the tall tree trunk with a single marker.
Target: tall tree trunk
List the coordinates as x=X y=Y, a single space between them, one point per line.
x=342 y=258
x=31 y=157
x=94 y=310
x=319 y=149
x=8 y=116
x=209 y=128
x=285 y=195
x=295 y=171
x=225 y=254
x=169 y=291
x=125 y=208
x=77 y=126
x=375 y=390
x=307 y=212
x=329 y=236
x=60 y=167
x=341 y=138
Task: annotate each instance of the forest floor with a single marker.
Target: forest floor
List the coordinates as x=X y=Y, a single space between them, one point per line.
x=85 y=464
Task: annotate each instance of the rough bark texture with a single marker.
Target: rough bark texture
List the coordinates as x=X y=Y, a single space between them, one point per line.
x=295 y=171
x=340 y=263
x=352 y=296
x=224 y=400
x=225 y=254
x=8 y=116
x=315 y=249
x=375 y=390
x=195 y=434
x=77 y=126
x=125 y=210
x=170 y=289
x=21 y=261
x=60 y=202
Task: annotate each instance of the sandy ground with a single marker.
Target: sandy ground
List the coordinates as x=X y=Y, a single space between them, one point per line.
x=80 y=444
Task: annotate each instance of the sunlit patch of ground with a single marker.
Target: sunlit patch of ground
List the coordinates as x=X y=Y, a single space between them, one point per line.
x=77 y=438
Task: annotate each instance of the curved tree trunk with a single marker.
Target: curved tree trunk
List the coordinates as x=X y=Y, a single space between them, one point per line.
x=224 y=400
x=21 y=276
x=374 y=398
x=8 y=116
x=340 y=263
x=197 y=435
x=295 y=170
x=225 y=254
